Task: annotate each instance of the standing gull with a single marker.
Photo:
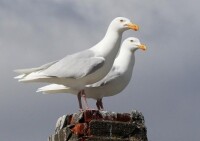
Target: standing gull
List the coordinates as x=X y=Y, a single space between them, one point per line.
x=85 y=67
x=114 y=82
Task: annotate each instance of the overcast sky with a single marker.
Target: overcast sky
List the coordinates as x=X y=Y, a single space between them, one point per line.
x=165 y=85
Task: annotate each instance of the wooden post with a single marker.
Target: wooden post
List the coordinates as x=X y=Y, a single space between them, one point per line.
x=94 y=125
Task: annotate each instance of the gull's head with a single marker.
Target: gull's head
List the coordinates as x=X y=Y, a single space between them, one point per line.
x=133 y=44
x=122 y=24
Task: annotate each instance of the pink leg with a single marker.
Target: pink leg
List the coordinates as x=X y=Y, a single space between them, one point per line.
x=79 y=101
x=98 y=105
x=84 y=99
x=101 y=104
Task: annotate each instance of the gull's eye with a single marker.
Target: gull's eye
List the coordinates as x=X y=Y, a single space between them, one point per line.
x=131 y=40
x=121 y=20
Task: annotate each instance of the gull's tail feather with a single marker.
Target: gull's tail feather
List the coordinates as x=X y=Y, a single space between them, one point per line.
x=27 y=71
x=55 y=88
x=31 y=74
x=30 y=70
x=32 y=77
x=19 y=76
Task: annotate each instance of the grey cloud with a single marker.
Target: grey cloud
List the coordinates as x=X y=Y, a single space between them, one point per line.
x=166 y=78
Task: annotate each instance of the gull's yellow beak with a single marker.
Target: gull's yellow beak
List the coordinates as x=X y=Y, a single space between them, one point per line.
x=133 y=26
x=143 y=47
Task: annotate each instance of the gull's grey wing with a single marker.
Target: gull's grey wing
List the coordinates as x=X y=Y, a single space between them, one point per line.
x=29 y=70
x=75 y=66
x=113 y=74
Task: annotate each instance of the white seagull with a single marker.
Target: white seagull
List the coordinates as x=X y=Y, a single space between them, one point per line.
x=113 y=83
x=85 y=67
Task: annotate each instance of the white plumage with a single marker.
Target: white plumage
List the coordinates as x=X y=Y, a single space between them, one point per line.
x=85 y=67
x=114 y=82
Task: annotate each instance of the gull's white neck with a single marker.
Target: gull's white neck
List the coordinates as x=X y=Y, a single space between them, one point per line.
x=109 y=45
x=125 y=60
